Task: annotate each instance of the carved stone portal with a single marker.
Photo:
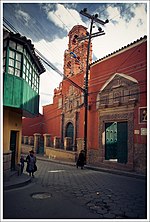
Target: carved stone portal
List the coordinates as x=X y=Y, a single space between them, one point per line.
x=119 y=90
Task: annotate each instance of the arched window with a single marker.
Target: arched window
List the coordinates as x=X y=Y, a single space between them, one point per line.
x=70 y=131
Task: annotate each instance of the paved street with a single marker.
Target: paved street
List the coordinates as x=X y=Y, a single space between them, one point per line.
x=64 y=192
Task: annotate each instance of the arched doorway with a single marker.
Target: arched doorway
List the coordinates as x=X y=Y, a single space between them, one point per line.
x=70 y=132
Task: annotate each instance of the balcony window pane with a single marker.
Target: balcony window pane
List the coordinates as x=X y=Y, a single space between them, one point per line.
x=19 y=48
x=29 y=82
x=27 y=65
x=24 y=61
x=12 y=54
x=11 y=62
x=24 y=75
x=30 y=69
x=11 y=70
x=29 y=76
x=12 y=44
x=27 y=72
x=18 y=65
x=17 y=72
x=18 y=56
x=24 y=68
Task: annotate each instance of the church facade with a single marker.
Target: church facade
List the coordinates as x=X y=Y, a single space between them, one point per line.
x=117 y=106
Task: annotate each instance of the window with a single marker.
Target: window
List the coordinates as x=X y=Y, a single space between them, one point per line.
x=142 y=115
x=12 y=44
x=4 y=60
x=14 y=63
x=20 y=63
x=11 y=54
x=19 y=48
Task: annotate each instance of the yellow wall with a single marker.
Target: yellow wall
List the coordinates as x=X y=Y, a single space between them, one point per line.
x=12 y=121
x=58 y=154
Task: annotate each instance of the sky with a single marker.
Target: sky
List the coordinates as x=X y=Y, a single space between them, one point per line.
x=47 y=24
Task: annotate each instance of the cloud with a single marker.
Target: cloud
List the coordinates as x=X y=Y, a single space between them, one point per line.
x=54 y=52
x=64 y=17
x=23 y=15
x=121 y=32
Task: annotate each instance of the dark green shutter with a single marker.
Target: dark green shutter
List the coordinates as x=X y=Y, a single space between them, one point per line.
x=122 y=142
x=111 y=141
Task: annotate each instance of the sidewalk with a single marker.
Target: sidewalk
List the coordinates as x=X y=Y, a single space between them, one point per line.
x=16 y=181
x=102 y=169
x=22 y=180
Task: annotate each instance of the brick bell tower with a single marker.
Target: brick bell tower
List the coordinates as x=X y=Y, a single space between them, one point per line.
x=74 y=66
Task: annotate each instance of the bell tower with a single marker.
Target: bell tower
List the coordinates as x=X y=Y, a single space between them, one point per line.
x=76 y=54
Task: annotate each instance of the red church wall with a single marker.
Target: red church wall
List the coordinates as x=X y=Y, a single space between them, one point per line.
x=132 y=62
x=32 y=125
x=52 y=116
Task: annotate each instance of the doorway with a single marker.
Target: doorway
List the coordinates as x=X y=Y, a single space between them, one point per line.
x=70 y=131
x=116 y=141
x=13 y=143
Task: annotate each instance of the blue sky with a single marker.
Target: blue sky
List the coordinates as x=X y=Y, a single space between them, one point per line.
x=47 y=24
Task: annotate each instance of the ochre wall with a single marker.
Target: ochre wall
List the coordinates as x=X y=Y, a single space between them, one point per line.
x=11 y=121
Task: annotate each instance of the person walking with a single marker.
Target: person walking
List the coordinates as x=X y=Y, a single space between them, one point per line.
x=31 y=163
x=81 y=159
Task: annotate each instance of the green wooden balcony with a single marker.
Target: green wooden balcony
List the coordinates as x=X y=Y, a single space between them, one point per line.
x=19 y=94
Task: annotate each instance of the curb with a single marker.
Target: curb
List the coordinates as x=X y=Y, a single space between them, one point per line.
x=16 y=184
x=112 y=171
x=117 y=172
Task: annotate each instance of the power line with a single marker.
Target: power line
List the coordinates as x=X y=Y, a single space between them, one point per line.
x=94 y=102
x=108 y=74
x=98 y=82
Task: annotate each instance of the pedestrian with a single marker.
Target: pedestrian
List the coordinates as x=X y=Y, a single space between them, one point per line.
x=81 y=159
x=31 y=163
x=22 y=163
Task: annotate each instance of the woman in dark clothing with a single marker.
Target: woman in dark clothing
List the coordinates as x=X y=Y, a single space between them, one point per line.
x=31 y=163
x=81 y=159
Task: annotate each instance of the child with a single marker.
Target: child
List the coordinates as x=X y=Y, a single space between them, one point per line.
x=22 y=163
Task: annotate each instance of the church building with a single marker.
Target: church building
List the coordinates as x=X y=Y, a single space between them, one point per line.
x=117 y=107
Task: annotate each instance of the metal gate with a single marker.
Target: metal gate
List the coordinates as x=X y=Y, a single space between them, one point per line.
x=41 y=145
x=116 y=141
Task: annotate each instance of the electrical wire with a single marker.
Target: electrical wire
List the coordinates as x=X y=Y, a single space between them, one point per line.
x=108 y=74
x=94 y=102
x=111 y=73
x=63 y=23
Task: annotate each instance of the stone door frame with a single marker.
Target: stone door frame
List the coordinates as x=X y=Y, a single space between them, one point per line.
x=119 y=115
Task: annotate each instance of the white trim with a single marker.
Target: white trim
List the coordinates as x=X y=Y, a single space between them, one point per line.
x=119 y=74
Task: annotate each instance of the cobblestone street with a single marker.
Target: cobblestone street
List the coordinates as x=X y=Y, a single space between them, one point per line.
x=104 y=195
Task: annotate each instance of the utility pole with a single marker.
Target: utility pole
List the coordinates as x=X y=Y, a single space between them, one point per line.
x=93 y=18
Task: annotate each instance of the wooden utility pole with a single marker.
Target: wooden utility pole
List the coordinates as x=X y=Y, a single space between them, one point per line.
x=93 y=18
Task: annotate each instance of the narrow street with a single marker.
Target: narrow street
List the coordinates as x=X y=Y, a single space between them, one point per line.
x=64 y=192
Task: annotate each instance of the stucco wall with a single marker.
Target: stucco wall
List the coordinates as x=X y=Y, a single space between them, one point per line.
x=60 y=154
x=12 y=121
x=140 y=158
